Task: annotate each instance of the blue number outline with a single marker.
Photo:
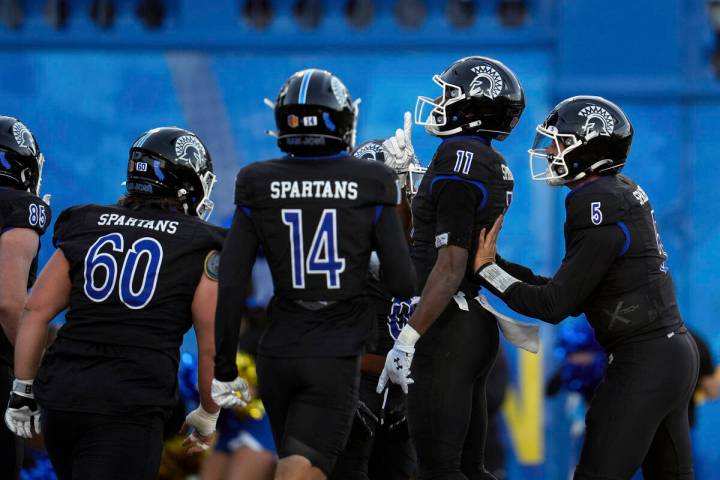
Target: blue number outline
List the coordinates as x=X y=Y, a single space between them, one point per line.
x=145 y=245
x=96 y=259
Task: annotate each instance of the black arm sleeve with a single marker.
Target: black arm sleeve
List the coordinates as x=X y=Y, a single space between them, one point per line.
x=398 y=273
x=590 y=254
x=456 y=203
x=236 y=263
x=521 y=272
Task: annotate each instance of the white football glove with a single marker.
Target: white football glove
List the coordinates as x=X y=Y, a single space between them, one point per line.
x=398 y=360
x=398 y=149
x=22 y=410
x=231 y=394
x=203 y=424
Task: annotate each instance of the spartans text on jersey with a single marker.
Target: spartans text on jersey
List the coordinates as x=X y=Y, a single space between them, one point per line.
x=338 y=189
x=165 y=226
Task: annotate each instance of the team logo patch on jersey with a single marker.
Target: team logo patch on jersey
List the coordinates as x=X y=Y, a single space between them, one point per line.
x=23 y=137
x=369 y=151
x=487 y=82
x=189 y=149
x=598 y=121
x=441 y=240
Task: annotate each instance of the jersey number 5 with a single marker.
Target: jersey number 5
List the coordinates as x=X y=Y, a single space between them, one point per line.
x=323 y=255
x=98 y=288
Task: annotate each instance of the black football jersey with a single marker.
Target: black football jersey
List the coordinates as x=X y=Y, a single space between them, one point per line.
x=614 y=270
x=315 y=220
x=636 y=294
x=20 y=209
x=134 y=275
x=466 y=187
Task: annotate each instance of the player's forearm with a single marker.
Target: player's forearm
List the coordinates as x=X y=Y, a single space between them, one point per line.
x=227 y=330
x=442 y=283
x=205 y=375
x=398 y=272
x=10 y=311
x=29 y=344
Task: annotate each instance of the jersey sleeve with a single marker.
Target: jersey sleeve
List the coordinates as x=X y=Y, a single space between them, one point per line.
x=235 y=269
x=243 y=188
x=593 y=207
x=386 y=189
x=64 y=226
x=27 y=211
x=590 y=254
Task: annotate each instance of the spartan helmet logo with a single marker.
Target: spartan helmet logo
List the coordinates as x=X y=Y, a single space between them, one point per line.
x=339 y=90
x=487 y=82
x=598 y=121
x=189 y=150
x=23 y=137
x=369 y=151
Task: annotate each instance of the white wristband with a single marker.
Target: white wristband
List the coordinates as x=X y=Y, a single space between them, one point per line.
x=23 y=387
x=408 y=336
x=497 y=277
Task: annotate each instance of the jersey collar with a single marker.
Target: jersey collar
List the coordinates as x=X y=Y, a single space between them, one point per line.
x=484 y=140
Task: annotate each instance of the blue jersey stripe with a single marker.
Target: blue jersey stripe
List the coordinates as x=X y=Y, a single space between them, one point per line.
x=626 y=245
x=477 y=183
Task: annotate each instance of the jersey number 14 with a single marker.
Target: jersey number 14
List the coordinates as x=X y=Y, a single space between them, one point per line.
x=323 y=257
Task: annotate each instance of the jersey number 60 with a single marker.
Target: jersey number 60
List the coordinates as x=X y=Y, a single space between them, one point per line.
x=131 y=297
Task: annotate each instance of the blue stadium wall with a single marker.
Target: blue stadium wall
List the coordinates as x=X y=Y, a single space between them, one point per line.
x=87 y=94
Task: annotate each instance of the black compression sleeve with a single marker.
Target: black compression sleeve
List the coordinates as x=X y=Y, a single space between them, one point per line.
x=521 y=272
x=590 y=254
x=236 y=263
x=398 y=273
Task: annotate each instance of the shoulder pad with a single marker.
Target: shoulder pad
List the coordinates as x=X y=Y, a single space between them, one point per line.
x=212 y=265
x=64 y=225
x=385 y=186
x=25 y=210
x=468 y=158
x=594 y=205
x=244 y=191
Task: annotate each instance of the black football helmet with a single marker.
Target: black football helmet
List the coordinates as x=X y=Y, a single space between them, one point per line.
x=480 y=95
x=409 y=180
x=173 y=162
x=21 y=161
x=315 y=114
x=581 y=136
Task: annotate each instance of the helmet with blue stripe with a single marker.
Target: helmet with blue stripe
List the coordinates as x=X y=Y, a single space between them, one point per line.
x=315 y=114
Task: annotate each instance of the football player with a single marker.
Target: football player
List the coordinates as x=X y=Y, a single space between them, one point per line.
x=318 y=213
x=615 y=272
x=23 y=219
x=454 y=340
x=379 y=443
x=134 y=277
